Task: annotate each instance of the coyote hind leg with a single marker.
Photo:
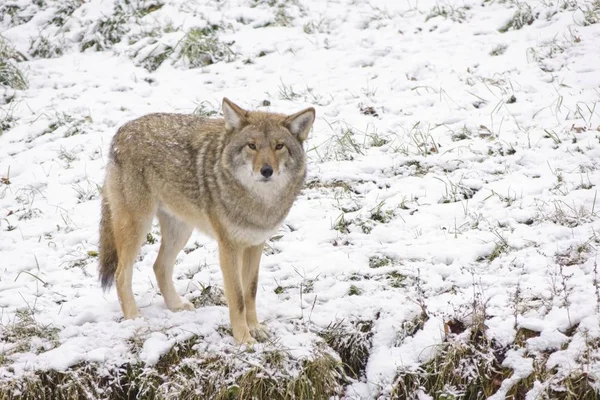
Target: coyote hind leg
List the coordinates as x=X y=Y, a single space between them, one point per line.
x=130 y=229
x=175 y=234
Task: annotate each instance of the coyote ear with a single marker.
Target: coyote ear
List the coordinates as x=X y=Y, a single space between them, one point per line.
x=235 y=116
x=300 y=123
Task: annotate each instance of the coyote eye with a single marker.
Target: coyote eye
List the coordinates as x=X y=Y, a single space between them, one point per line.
x=252 y=146
x=279 y=146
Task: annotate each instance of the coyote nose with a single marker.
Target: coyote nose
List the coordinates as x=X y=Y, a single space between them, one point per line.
x=266 y=171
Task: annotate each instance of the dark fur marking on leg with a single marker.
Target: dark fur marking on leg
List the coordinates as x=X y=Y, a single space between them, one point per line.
x=240 y=301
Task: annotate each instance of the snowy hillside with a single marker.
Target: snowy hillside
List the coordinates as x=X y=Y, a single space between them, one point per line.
x=445 y=245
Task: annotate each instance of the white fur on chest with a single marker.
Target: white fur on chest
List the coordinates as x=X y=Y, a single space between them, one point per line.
x=250 y=236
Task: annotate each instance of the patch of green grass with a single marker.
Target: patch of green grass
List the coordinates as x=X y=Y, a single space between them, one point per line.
x=15 y=13
x=108 y=30
x=7 y=120
x=184 y=373
x=378 y=215
x=456 y=14
x=379 y=261
x=352 y=341
x=354 y=291
x=499 y=249
x=591 y=12
x=210 y=295
x=10 y=74
x=342 y=146
x=42 y=47
x=157 y=57
x=64 y=12
x=201 y=47
x=67 y=124
x=150 y=239
x=463 y=134
x=472 y=367
x=522 y=16
x=396 y=279
x=341 y=224
x=205 y=109
x=320 y=26
x=499 y=49
x=21 y=331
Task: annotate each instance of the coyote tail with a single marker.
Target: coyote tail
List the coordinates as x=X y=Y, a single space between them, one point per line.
x=108 y=249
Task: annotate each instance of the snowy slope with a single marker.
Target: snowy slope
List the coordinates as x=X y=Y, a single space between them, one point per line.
x=454 y=168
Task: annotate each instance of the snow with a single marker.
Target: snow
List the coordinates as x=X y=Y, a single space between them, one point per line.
x=524 y=179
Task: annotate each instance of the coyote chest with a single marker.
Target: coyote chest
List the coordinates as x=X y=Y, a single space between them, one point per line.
x=251 y=236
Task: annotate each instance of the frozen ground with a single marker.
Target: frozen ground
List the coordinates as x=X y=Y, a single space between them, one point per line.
x=451 y=197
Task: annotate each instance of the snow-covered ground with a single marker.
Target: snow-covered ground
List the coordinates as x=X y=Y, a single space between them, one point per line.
x=453 y=176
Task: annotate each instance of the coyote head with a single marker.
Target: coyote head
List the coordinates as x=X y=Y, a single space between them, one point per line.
x=264 y=151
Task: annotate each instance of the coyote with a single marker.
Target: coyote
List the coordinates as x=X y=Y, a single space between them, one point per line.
x=234 y=179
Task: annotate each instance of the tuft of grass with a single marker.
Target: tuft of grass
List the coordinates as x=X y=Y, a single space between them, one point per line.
x=156 y=57
x=209 y=296
x=467 y=362
x=64 y=12
x=205 y=109
x=378 y=215
x=200 y=47
x=423 y=141
x=352 y=342
x=464 y=134
x=7 y=120
x=522 y=16
x=591 y=12
x=87 y=192
x=499 y=49
x=286 y=92
x=21 y=332
x=341 y=224
x=497 y=252
x=42 y=47
x=108 y=30
x=150 y=239
x=341 y=146
x=379 y=261
x=10 y=74
x=354 y=291
x=321 y=26
x=396 y=279
x=65 y=124
x=455 y=14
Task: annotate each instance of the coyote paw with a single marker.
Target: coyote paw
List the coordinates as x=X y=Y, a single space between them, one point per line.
x=181 y=305
x=244 y=338
x=132 y=315
x=260 y=332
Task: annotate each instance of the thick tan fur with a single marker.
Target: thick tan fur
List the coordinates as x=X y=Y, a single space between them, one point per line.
x=234 y=179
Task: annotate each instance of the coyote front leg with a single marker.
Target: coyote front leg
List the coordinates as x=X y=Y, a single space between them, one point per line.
x=231 y=260
x=251 y=266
